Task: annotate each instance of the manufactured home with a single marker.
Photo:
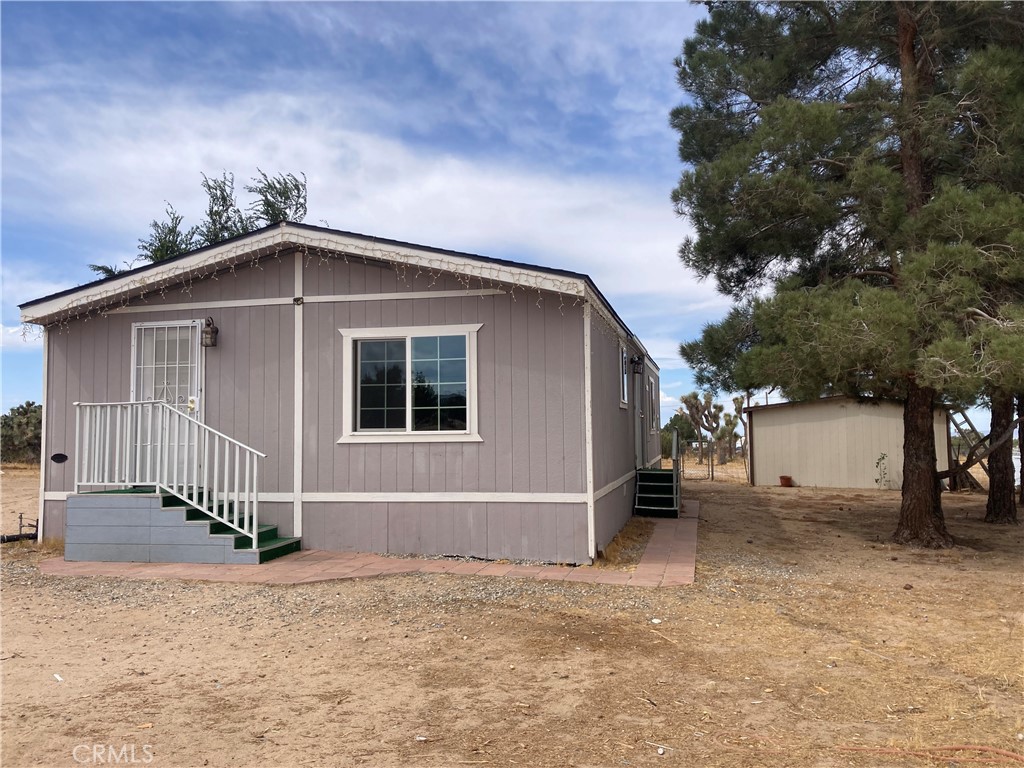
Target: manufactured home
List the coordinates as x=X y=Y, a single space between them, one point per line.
x=307 y=387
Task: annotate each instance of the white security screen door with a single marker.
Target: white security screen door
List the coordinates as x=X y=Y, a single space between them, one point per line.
x=167 y=367
x=166 y=364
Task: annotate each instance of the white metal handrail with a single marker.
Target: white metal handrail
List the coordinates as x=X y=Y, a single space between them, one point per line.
x=120 y=445
x=675 y=467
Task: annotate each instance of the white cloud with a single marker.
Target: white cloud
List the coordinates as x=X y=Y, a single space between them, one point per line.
x=20 y=337
x=20 y=283
x=95 y=148
x=133 y=158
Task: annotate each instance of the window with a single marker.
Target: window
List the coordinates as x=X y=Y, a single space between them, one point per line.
x=409 y=384
x=624 y=383
x=654 y=398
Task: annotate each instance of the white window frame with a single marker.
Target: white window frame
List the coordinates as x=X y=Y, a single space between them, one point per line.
x=349 y=336
x=654 y=402
x=624 y=376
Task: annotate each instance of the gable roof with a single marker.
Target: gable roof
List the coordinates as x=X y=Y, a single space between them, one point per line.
x=286 y=235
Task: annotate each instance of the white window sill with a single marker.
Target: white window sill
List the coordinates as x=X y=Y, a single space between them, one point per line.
x=409 y=437
x=623 y=406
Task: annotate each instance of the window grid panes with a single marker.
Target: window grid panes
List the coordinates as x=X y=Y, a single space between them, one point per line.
x=382 y=367
x=438 y=399
x=439 y=383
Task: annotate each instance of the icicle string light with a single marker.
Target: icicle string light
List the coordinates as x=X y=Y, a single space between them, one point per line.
x=321 y=250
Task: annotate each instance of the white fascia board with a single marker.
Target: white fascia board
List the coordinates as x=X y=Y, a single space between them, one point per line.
x=438 y=262
x=606 y=312
x=285 y=236
x=112 y=291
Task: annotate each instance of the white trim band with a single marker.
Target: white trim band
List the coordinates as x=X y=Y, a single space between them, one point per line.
x=285 y=300
x=466 y=497
x=614 y=484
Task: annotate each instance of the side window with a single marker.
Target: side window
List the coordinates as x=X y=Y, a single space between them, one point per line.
x=624 y=377
x=655 y=413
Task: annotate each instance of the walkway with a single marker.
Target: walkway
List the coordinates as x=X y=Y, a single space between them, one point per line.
x=668 y=561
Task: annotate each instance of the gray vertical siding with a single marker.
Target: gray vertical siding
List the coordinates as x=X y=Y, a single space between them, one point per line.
x=248 y=376
x=530 y=390
x=613 y=511
x=614 y=445
x=53 y=514
x=550 y=532
x=613 y=426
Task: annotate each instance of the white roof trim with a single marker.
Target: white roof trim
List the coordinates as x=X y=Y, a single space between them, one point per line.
x=245 y=249
x=241 y=251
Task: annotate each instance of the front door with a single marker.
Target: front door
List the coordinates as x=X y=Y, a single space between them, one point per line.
x=167 y=367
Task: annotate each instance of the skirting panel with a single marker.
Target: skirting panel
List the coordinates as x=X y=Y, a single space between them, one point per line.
x=554 y=533
x=612 y=511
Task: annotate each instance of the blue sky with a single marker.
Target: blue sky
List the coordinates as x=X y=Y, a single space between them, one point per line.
x=532 y=131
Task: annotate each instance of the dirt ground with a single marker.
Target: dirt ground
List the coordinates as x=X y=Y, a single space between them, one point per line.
x=19 y=493
x=807 y=640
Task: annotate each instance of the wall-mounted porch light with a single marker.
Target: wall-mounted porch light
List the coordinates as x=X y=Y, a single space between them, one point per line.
x=208 y=336
x=638 y=363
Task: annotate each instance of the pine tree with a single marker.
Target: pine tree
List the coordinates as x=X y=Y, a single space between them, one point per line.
x=854 y=172
x=276 y=198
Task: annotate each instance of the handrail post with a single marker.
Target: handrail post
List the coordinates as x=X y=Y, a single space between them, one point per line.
x=78 y=444
x=255 y=503
x=109 y=450
x=675 y=467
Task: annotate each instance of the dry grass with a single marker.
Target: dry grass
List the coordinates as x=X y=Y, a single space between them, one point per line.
x=18 y=465
x=626 y=549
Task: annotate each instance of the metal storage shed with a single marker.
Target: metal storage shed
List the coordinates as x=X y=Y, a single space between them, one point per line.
x=834 y=442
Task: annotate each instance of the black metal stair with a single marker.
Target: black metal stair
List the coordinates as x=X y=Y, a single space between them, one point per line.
x=655 y=494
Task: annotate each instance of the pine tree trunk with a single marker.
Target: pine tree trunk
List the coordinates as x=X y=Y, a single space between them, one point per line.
x=921 y=522
x=1002 y=506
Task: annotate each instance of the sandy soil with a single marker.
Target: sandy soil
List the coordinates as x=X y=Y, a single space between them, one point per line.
x=808 y=640
x=19 y=493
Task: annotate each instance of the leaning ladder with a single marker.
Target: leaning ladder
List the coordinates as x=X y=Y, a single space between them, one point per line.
x=962 y=424
x=971 y=436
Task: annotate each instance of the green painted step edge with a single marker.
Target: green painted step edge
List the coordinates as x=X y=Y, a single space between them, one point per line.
x=279 y=548
x=267 y=533
x=135 y=490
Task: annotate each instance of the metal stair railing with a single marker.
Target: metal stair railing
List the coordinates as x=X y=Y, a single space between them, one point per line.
x=150 y=443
